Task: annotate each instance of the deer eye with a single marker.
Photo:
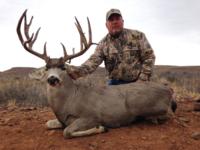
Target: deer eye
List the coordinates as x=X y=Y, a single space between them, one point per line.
x=47 y=67
x=62 y=67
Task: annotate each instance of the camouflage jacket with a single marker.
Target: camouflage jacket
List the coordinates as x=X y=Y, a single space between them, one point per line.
x=127 y=57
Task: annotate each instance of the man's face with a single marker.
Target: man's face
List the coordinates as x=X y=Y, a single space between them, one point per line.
x=115 y=24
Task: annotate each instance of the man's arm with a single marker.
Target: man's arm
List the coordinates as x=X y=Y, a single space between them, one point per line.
x=90 y=65
x=147 y=57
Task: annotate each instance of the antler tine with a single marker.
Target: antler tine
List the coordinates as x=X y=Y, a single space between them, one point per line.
x=83 y=41
x=66 y=56
x=81 y=44
x=28 y=42
x=35 y=37
x=64 y=50
x=27 y=25
x=45 y=50
x=82 y=36
x=19 y=27
x=90 y=31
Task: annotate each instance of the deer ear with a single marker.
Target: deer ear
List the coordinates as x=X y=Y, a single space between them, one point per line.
x=38 y=74
x=68 y=68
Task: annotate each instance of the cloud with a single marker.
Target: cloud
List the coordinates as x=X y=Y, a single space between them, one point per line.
x=178 y=16
x=171 y=27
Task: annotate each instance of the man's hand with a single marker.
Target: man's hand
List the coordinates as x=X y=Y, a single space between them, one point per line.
x=73 y=72
x=139 y=80
x=143 y=77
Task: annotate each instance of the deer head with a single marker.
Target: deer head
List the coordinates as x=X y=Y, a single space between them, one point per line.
x=52 y=64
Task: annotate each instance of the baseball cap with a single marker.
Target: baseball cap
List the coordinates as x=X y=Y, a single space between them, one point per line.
x=111 y=12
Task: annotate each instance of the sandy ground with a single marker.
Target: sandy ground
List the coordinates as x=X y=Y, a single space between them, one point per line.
x=22 y=128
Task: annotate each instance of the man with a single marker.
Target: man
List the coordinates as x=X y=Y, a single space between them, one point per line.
x=127 y=54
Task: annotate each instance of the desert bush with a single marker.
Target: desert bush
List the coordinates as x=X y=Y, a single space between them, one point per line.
x=24 y=90
x=185 y=84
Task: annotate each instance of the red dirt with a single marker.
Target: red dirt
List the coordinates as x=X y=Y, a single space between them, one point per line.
x=23 y=129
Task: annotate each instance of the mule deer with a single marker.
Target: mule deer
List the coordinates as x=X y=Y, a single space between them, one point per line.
x=84 y=110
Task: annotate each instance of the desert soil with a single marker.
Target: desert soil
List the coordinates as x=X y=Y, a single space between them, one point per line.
x=22 y=128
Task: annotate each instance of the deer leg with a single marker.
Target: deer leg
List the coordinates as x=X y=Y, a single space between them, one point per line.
x=83 y=127
x=54 y=124
x=158 y=119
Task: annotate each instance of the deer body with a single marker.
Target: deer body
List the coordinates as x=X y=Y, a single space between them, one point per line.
x=107 y=106
x=84 y=110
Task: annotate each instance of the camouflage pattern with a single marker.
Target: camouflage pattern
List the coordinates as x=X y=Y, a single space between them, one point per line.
x=127 y=57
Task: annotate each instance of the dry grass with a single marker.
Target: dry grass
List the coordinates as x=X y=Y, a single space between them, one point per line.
x=23 y=91
x=185 y=82
x=11 y=103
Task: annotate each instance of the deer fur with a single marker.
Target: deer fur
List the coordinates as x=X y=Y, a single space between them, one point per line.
x=84 y=110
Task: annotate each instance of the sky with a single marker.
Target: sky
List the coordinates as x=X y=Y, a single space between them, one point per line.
x=172 y=27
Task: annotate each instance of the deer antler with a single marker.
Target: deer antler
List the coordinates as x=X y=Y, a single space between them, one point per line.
x=83 y=41
x=28 y=42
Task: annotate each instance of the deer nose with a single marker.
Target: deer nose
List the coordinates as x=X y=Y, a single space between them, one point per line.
x=52 y=80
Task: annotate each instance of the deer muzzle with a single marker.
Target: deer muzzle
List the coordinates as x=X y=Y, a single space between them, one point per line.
x=53 y=81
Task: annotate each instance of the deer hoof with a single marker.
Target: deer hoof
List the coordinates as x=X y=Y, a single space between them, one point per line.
x=67 y=135
x=54 y=124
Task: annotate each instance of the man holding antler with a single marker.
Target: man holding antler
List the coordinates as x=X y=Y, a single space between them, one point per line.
x=127 y=54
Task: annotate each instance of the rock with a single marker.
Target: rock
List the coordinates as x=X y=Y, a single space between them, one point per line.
x=144 y=138
x=196 y=106
x=28 y=108
x=196 y=135
x=18 y=130
x=103 y=141
x=183 y=119
x=50 y=133
x=7 y=121
x=93 y=145
x=11 y=108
